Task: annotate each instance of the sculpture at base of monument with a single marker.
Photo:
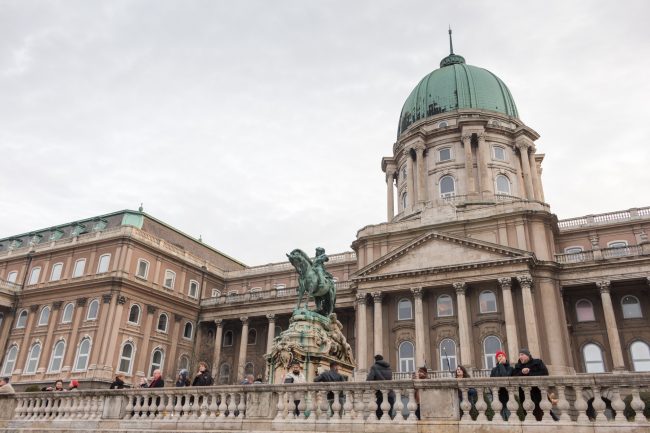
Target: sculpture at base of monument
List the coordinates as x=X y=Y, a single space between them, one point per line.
x=314 y=280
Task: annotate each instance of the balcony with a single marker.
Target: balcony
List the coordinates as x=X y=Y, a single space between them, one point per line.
x=605 y=253
x=604 y=219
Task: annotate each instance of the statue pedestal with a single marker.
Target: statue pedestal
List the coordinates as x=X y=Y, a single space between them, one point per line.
x=312 y=340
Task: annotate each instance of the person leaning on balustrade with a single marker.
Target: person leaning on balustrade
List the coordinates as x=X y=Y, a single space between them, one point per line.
x=502 y=369
x=421 y=374
x=203 y=376
x=5 y=386
x=381 y=370
x=118 y=383
x=472 y=395
x=529 y=366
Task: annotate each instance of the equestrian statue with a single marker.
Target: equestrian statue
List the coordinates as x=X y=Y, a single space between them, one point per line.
x=314 y=280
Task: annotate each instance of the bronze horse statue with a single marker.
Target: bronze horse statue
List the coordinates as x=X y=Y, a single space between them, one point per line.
x=315 y=281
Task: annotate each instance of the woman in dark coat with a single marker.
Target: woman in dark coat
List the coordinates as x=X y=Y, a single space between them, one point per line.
x=118 y=383
x=502 y=369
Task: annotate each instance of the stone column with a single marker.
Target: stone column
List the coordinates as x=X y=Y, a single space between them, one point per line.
x=75 y=335
x=526 y=283
x=525 y=168
x=463 y=325
x=53 y=321
x=173 y=350
x=142 y=363
x=113 y=345
x=410 y=179
x=487 y=189
x=509 y=313
x=422 y=173
x=420 y=346
x=534 y=174
x=362 y=337
x=554 y=323
x=25 y=345
x=241 y=365
x=390 y=198
x=378 y=322
x=612 y=329
x=271 y=333
x=469 y=165
x=218 y=342
x=106 y=315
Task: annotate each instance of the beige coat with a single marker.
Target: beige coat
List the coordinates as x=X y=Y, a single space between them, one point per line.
x=7 y=389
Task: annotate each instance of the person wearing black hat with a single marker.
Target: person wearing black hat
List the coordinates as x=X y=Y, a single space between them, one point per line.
x=5 y=386
x=381 y=370
x=529 y=366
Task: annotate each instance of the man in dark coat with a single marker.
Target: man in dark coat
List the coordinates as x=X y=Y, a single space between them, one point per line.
x=203 y=376
x=502 y=369
x=381 y=370
x=332 y=375
x=529 y=366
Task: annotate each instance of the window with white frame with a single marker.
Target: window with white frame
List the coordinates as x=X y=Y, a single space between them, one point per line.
x=406 y=354
x=572 y=250
x=491 y=345
x=10 y=361
x=134 y=314
x=93 y=310
x=585 y=311
x=184 y=362
x=216 y=293
x=143 y=269
x=593 y=357
x=447 y=186
x=157 y=358
x=256 y=293
x=44 y=317
x=499 y=153
x=404 y=309
x=444 y=154
x=162 y=323
x=227 y=339
x=640 y=352
x=57 y=357
x=32 y=359
x=448 y=355
x=170 y=279
x=12 y=276
x=67 y=313
x=188 y=330
x=445 y=306
x=22 y=320
x=126 y=358
x=503 y=185
x=79 y=268
x=57 y=269
x=193 y=290
x=83 y=353
x=104 y=261
x=487 y=302
x=631 y=307
x=618 y=248
x=34 y=275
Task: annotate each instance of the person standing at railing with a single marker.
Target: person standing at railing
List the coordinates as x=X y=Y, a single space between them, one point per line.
x=203 y=376
x=502 y=369
x=381 y=370
x=472 y=395
x=420 y=375
x=332 y=375
x=529 y=366
x=183 y=378
x=294 y=375
x=5 y=386
x=118 y=383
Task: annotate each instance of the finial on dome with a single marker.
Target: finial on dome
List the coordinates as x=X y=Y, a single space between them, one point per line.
x=141 y=208
x=451 y=59
x=451 y=45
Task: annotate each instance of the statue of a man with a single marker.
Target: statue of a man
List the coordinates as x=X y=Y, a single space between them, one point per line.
x=321 y=258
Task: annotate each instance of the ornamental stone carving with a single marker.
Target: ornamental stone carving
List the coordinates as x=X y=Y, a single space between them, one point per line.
x=377 y=297
x=244 y=320
x=360 y=298
x=106 y=298
x=505 y=283
x=56 y=305
x=525 y=281
x=604 y=286
x=33 y=308
x=121 y=300
x=271 y=317
x=218 y=322
x=417 y=292
x=151 y=309
x=177 y=317
x=460 y=287
x=81 y=302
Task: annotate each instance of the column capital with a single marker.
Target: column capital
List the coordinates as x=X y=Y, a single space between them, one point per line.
x=604 y=286
x=244 y=320
x=505 y=283
x=522 y=146
x=525 y=281
x=417 y=292
x=390 y=176
x=418 y=147
x=218 y=322
x=460 y=287
x=177 y=317
x=480 y=136
x=647 y=280
x=56 y=305
x=107 y=297
x=466 y=139
x=360 y=298
x=271 y=317
x=151 y=309
x=81 y=302
x=121 y=299
x=377 y=296
x=33 y=308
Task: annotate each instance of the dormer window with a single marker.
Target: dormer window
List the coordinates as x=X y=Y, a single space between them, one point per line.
x=78 y=229
x=56 y=235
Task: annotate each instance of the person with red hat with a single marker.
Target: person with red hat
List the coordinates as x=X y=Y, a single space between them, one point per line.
x=502 y=369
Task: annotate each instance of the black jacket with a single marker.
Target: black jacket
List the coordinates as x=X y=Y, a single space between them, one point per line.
x=160 y=383
x=118 y=384
x=502 y=370
x=380 y=370
x=329 y=376
x=204 y=379
x=536 y=366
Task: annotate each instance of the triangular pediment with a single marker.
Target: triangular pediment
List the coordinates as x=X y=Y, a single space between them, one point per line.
x=435 y=250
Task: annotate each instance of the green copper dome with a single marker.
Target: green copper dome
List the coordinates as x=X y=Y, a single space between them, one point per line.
x=456 y=86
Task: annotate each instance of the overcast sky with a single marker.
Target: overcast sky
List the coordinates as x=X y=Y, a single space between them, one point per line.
x=261 y=125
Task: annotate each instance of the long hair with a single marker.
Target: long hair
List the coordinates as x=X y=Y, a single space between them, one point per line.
x=464 y=370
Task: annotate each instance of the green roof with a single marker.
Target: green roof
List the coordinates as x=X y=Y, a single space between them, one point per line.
x=456 y=86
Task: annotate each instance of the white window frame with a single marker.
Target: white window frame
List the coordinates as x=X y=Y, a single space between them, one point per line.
x=618 y=248
x=63 y=318
x=57 y=271
x=439 y=154
x=79 y=268
x=123 y=358
x=33 y=358
x=452 y=358
x=489 y=359
x=11 y=357
x=128 y=319
x=593 y=311
x=410 y=315
x=496 y=302
x=451 y=301
x=216 y=293
x=12 y=276
x=191 y=330
x=85 y=356
x=494 y=153
x=447 y=194
x=573 y=250
x=166 y=323
x=34 y=276
x=90 y=309
x=589 y=365
x=170 y=279
x=184 y=362
x=443 y=124
x=44 y=321
x=645 y=361
x=55 y=357
x=156 y=366
x=496 y=184
x=638 y=303
x=196 y=289
x=20 y=322
x=146 y=269
x=103 y=263
x=406 y=364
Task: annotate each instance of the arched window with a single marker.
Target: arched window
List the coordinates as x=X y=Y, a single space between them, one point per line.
x=593 y=357
x=491 y=345
x=404 y=309
x=126 y=358
x=184 y=362
x=67 y=313
x=93 y=310
x=503 y=185
x=44 y=317
x=445 y=306
x=134 y=314
x=406 y=354
x=404 y=201
x=79 y=268
x=227 y=338
x=102 y=265
x=57 y=268
x=34 y=275
x=162 y=323
x=448 y=355
x=487 y=302
x=631 y=307
x=22 y=319
x=249 y=369
x=157 y=358
x=143 y=269
x=252 y=336
x=32 y=360
x=57 y=357
x=83 y=353
x=585 y=311
x=224 y=374
x=170 y=279
x=640 y=356
x=12 y=276
x=193 y=290
x=447 y=187
x=10 y=361
x=188 y=330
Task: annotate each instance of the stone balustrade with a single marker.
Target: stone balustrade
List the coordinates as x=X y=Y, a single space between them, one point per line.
x=604 y=402
x=603 y=218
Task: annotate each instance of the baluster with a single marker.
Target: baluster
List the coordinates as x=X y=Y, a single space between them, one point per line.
x=300 y=395
x=18 y=411
x=545 y=405
x=638 y=405
x=359 y=405
x=223 y=407
x=563 y=405
x=241 y=407
x=618 y=405
x=512 y=404
x=47 y=411
x=232 y=406
x=185 y=401
x=348 y=406
x=412 y=405
x=580 y=405
x=128 y=410
x=528 y=405
x=178 y=403
x=398 y=407
x=372 y=406
x=147 y=405
x=599 y=405
x=160 y=405
x=497 y=406
x=138 y=406
x=481 y=405
x=309 y=405
x=31 y=409
x=93 y=408
x=385 y=406
x=101 y=401
x=279 y=416
x=169 y=408
x=465 y=404
x=336 y=406
x=63 y=408
x=214 y=407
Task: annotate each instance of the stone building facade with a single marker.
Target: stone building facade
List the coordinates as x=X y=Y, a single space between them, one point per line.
x=471 y=260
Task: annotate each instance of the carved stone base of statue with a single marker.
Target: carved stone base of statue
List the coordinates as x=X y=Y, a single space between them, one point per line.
x=314 y=341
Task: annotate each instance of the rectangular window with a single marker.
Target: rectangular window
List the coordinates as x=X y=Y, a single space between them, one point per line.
x=170 y=278
x=34 y=275
x=56 y=272
x=143 y=269
x=444 y=154
x=12 y=276
x=104 y=261
x=79 y=267
x=499 y=153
